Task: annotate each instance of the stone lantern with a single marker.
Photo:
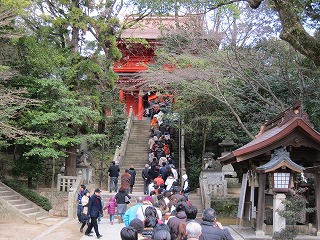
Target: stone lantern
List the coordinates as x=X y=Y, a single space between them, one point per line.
x=228 y=170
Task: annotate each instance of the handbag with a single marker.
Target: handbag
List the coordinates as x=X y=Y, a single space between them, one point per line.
x=126 y=199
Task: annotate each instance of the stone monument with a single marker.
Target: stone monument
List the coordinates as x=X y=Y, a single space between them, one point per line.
x=228 y=170
x=84 y=166
x=212 y=182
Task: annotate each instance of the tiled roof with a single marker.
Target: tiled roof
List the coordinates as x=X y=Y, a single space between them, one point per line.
x=272 y=132
x=279 y=159
x=152 y=27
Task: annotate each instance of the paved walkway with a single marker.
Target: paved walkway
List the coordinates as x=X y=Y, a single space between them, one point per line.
x=107 y=230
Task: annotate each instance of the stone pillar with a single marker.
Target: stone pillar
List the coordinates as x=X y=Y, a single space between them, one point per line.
x=140 y=105
x=279 y=222
x=261 y=204
x=71 y=204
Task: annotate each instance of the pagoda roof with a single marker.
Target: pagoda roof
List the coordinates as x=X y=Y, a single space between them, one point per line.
x=291 y=127
x=153 y=27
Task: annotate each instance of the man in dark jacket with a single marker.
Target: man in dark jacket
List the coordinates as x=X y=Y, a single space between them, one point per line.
x=173 y=222
x=145 y=178
x=94 y=210
x=114 y=174
x=211 y=229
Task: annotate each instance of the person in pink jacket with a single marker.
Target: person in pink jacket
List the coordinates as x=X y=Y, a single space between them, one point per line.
x=111 y=206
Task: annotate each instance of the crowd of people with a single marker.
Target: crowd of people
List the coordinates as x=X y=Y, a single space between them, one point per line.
x=165 y=212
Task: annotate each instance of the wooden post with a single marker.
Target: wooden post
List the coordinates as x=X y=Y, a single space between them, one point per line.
x=261 y=204
x=140 y=105
x=317 y=187
x=121 y=96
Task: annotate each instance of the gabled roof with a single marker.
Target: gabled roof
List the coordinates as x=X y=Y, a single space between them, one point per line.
x=291 y=127
x=281 y=158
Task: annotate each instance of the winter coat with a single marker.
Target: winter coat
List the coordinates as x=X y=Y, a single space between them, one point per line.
x=144 y=173
x=173 y=223
x=120 y=197
x=114 y=171
x=94 y=206
x=125 y=180
x=111 y=206
x=85 y=201
x=133 y=173
x=214 y=233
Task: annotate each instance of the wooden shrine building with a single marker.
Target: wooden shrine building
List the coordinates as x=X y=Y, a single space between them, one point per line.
x=137 y=45
x=286 y=149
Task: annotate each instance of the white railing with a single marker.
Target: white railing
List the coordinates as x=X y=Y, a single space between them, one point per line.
x=120 y=152
x=64 y=183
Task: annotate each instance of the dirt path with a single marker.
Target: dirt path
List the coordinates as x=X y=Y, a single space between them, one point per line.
x=68 y=230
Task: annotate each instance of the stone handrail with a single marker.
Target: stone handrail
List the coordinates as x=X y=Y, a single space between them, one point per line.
x=120 y=152
x=73 y=195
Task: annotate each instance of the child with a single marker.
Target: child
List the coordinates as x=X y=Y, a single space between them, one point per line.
x=111 y=206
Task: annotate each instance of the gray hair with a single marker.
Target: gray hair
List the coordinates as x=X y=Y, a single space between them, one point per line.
x=193 y=229
x=209 y=215
x=140 y=199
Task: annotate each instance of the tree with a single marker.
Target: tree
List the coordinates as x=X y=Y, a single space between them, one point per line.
x=254 y=82
x=296 y=17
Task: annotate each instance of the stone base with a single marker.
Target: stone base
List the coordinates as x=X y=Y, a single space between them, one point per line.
x=260 y=233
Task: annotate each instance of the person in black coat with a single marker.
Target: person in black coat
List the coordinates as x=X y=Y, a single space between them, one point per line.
x=94 y=210
x=144 y=176
x=133 y=174
x=114 y=174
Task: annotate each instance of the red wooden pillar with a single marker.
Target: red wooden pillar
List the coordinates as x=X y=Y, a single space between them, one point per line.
x=140 y=105
x=121 y=96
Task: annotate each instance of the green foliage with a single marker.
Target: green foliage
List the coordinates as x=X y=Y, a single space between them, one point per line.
x=226 y=207
x=193 y=170
x=28 y=193
x=294 y=211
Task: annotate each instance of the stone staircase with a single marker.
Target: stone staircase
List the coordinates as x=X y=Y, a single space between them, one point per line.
x=196 y=201
x=137 y=155
x=19 y=205
x=137 y=151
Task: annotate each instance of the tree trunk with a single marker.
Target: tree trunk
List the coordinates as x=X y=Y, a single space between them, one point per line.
x=71 y=161
x=204 y=138
x=294 y=33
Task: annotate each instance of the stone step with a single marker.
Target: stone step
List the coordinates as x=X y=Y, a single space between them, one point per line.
x=29 y=210
x=23 y=206
x=32 y=214
x=11 y=197
x=16 y=201
x=7 y=193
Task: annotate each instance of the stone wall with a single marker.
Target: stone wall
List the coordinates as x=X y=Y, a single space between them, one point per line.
x=59 y=201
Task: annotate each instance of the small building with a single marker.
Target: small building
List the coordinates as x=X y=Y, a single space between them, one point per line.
x=286 y=149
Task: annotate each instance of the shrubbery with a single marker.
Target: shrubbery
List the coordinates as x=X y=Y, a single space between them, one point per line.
x=225 y=207
x=21 y=188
